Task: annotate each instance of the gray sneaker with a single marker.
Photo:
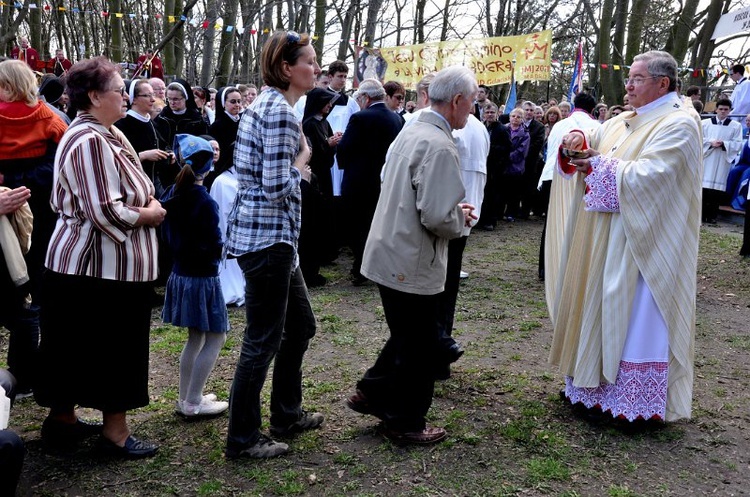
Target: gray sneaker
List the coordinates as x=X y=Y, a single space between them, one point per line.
x=262 y=449
x=308 y=421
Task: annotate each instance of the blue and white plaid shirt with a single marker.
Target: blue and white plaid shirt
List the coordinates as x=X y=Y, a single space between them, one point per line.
x=267 y=209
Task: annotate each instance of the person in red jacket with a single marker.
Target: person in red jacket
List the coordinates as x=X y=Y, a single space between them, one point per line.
x=25 y=53
x=149 y=66
x=30 y=134
x=59 y=64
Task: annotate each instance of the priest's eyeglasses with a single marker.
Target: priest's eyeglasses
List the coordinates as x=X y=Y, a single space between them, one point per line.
x=639 y=80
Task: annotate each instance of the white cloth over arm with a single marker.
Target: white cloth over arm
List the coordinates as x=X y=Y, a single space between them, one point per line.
x=223 y=191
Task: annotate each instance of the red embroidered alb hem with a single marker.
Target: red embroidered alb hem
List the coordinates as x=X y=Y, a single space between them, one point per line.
x=640 y=391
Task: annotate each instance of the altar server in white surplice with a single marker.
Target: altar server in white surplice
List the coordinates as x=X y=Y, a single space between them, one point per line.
x=722 y=141
x=223 y=191
x=625 y=322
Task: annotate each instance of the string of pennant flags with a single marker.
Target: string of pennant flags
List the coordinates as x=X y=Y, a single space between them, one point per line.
x=218 y=26
x=195 y=22
x=695 y=72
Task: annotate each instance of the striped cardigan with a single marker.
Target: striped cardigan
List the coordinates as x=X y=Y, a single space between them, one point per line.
x=98 y=187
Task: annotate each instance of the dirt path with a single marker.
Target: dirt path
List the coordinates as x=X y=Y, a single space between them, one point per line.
x=509 y=433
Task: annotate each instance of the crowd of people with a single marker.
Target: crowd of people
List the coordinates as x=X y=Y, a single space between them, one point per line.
x=232 y=197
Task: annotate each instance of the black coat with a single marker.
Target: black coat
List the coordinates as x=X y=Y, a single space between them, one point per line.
x=143 y=136
x=224 y=131
x=536 y=142
x=361 y=151
x=317 y=132
x=169 y=124
x=500 y=147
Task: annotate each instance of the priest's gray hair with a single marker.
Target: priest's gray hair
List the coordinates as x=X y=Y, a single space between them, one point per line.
x=372 y=88
x=452 y=81
x=660 y=63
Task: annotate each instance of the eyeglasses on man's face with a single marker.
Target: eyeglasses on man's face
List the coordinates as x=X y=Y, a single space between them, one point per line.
x=145 y=95
x=120 y=90
x=639 y=80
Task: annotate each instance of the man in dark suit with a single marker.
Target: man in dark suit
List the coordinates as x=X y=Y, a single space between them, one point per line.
x=361 y=155
x=532 y=170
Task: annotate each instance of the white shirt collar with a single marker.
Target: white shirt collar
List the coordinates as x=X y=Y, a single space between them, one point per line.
x=658 y=102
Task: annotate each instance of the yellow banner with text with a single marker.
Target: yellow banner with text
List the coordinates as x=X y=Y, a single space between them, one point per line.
x=491 y=59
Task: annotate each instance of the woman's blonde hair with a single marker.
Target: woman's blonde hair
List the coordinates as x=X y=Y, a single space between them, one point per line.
x=17 y=78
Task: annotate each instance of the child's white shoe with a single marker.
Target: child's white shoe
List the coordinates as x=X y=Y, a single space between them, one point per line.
x=207 y=407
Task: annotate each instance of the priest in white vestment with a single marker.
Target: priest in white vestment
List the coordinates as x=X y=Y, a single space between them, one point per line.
x=565 y=196
x=741 y=93
x=625 y=300
x=722 y=142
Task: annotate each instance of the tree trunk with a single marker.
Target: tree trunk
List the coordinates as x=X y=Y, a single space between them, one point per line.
x=605 y=53
x=346 y=29
x=35 y=27
x=618 y=36
x=501 y=19
x=226 y=44
x=679 y=34
x=178 y=41
x=373 y=9
x=446 y=20
x=115 y=41
x=419 y=22
x=8 y=37
x=704 y=46
x=167 y=52
x=635 y=29
x=209 y=35
x=248 y=47
x=320 y=28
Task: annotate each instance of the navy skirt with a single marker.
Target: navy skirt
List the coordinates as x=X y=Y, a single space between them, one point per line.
x=195 y=302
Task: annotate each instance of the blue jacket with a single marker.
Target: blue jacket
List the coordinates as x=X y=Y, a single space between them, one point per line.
x=191 y=230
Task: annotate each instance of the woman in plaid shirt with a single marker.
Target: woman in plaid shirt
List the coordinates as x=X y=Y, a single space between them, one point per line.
x=271 y=156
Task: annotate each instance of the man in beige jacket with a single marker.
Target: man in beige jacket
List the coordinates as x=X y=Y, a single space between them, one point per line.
x=418 y=211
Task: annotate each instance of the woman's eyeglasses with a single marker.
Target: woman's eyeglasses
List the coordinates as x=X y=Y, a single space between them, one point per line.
x=234 y=101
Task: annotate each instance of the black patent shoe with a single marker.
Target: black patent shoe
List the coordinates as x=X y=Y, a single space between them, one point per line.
x=61 y=436
x=133 y=448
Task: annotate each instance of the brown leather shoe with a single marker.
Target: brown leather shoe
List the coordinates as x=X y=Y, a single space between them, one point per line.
x=359 y=403
x=429 y=435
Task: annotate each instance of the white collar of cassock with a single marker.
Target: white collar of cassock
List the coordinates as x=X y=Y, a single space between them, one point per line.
x=668 y=98
x=143 y=119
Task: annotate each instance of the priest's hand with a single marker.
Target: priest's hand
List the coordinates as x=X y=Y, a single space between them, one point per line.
x=573 y=141
x=584 y=165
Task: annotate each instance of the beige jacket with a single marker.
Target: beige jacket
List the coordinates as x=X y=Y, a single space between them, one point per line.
x=417 y=212
x=15 y=240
